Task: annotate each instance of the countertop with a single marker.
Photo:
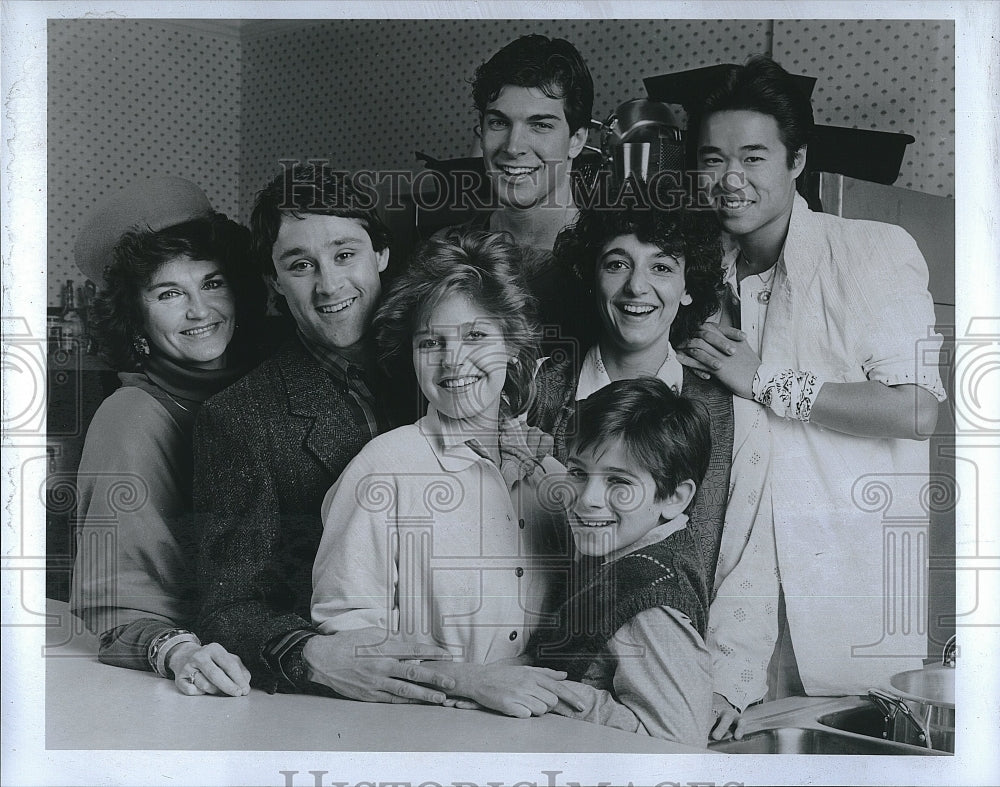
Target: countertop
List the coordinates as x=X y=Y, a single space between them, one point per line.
x=90 y=705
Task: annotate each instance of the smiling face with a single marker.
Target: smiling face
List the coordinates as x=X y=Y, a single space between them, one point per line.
x=460 y=357
x=754 y=186
x=639 y=288
x=328 y=272
x=612 y=503
x=527 y=146
x=190 y=312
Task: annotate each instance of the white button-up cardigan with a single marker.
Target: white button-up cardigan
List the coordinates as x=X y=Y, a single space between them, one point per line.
x=424 y=537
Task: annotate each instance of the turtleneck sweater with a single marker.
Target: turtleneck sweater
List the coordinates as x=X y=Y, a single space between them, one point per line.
x=134 y=573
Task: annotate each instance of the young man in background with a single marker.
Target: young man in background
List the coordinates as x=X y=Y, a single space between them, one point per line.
x=535 y=99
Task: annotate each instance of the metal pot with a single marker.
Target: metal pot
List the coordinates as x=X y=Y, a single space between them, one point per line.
x=642 y=137
x=921 y=710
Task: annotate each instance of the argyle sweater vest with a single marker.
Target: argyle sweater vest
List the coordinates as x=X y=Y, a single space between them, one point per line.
x=600 y=599
x=553 y=410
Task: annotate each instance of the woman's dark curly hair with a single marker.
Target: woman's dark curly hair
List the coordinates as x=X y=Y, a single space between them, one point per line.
x=116 y=317
x=482 y=266
x=691 y=234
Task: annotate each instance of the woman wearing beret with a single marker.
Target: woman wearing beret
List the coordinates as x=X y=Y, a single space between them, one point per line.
x=177 y=304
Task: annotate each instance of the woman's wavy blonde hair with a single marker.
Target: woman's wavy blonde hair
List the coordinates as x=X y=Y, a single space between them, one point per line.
x=485 y=268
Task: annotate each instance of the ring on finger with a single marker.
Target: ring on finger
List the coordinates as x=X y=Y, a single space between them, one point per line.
x=191 y=678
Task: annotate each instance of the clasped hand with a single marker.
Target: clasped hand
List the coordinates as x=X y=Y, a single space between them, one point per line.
x=513 y=690
x=722 y=352
x=366 y=664
x=208 y=669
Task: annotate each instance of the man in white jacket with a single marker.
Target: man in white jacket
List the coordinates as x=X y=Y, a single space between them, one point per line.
x=830 y=327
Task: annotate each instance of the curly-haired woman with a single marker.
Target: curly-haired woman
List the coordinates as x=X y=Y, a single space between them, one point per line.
x=654 y=277
x=175 y=315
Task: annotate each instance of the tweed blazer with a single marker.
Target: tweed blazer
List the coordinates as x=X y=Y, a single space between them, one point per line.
x=266 y=450
x=554 y=408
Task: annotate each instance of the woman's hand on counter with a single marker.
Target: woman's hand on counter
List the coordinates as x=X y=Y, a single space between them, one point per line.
x=516 y=691
x=364 y=665
x=208 y=669
x=463 y=704
x=726 y=716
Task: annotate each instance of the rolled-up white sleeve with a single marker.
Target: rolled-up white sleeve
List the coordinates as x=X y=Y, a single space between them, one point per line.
x=897 y=341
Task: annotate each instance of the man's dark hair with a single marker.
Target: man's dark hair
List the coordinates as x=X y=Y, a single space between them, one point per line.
x=765 y=87
x=663 y=433
x=302 y=190
x=553 y=66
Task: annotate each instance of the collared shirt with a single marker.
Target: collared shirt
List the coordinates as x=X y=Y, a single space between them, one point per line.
x=354 y=379
x=655 y=535
x=749 y=298
x=594 y=375
x=423 y=537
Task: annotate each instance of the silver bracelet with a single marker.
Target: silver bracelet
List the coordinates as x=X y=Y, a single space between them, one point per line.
x=158 y=649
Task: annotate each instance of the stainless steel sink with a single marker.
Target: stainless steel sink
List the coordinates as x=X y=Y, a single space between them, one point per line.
x=846 y=725
x=865 y=720
x=804 y=740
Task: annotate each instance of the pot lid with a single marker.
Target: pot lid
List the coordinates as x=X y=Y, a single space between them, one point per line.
x=931 y=684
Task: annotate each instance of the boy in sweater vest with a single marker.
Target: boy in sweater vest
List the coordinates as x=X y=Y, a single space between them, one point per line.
x=631 y=623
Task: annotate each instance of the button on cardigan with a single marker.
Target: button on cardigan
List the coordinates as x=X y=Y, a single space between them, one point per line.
x=422 y=537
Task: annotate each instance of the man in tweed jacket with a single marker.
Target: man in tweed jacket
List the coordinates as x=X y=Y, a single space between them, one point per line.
x=269 y=447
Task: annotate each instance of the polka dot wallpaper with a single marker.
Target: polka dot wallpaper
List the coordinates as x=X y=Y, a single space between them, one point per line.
x=129 y=99
x=221 y=106
x=368 y=93
x=886 y=76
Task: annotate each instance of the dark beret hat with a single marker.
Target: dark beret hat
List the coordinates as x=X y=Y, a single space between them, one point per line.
x=153 y=204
